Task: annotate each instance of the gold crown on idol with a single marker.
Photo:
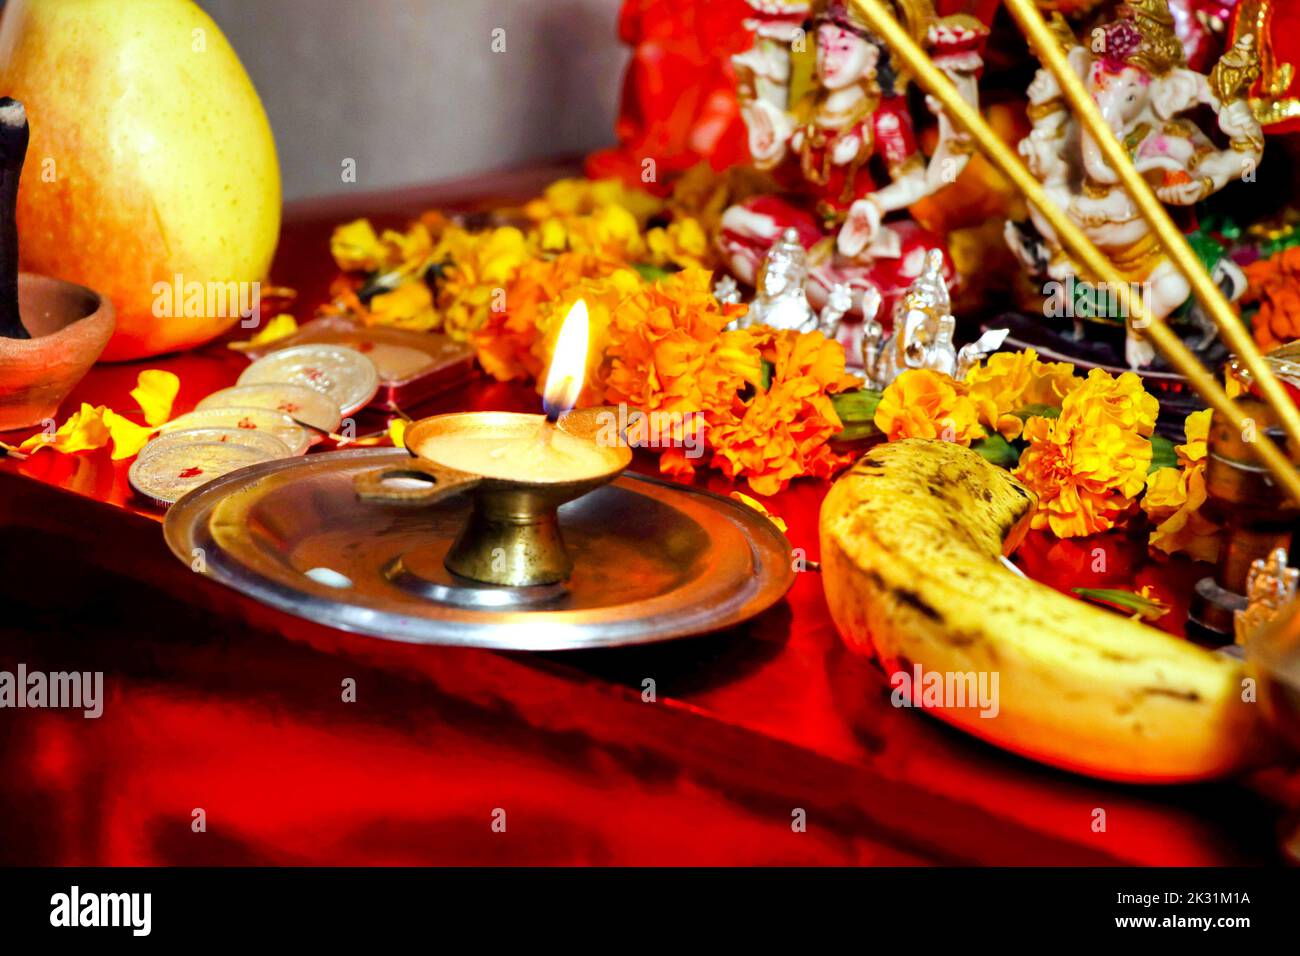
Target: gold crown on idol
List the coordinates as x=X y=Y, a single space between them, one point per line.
x=1159 y=50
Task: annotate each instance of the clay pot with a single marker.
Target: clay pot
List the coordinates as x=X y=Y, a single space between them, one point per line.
x=70 y=325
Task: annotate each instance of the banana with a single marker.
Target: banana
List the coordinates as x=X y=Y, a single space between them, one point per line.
x=910 y=542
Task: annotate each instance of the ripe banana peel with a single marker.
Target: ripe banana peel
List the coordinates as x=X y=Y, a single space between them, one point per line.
x=910 y=542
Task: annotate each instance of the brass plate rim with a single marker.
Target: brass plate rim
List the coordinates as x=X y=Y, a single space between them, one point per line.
x=769 y=576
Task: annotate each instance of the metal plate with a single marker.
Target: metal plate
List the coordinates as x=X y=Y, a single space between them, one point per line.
x=654 y=560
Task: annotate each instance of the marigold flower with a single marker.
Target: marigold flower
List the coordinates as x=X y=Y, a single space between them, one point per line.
x=1089 y=465
x=757 y=505
x=581 y=197
x=409 y=306
x=783 y=433
x=1008 y=382
x=357 y=248
x=922 y=403
x=1274 y=285
x=682 y=243
x=507 y=341
x=669 y=349
x=605 y=298
x=478 y=267
x=610 y=231
x=1175 y=496
x=156 y=391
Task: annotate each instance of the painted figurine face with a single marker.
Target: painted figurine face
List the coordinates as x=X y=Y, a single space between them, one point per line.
x=778 y=280
x=1121 y=94
x=843 y=58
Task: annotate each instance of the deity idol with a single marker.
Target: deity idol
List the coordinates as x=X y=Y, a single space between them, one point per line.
x=782 y=301
x=922 y=336
x=822 y=147
x=1135 y=70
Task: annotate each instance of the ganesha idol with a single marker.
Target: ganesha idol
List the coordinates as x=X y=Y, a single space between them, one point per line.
x=1135 y=70
x=828 y=149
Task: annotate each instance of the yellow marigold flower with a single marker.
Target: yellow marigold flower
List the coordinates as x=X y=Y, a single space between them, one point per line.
x=1175 y=497
x=757 y=505
x=1196 y=428
x=280 y=327
x=922 y=403
x=1089 y=466
x=126 y=436
x=155 y=391
x=609 y=231
x=479 y=267
x=83 y=431
x=409 y=249
x=356 y=248
x=409 y=306
x=580 y=197
x=683 y=244
x=92 y=427
x=1010 y=381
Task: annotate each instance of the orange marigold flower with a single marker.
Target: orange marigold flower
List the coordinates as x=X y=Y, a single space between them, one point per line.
x=1274 y=285
x=1010 y=381
x=669 y=349
x=922 y=403
x=605 y=297
x=1089 y=465
x=783 y=433
x=507 y=342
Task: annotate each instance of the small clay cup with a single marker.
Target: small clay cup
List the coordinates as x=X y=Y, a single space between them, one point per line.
x=70 y=325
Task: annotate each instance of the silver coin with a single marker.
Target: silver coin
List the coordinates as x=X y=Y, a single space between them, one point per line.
x=344 y=374
x=297 y=438
x=260 y=441
x=306 y=405
x=165 y=476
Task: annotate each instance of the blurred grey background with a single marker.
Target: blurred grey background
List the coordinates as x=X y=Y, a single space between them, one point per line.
x=412 y=90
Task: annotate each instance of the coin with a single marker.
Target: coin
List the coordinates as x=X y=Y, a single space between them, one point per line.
x=297 y=438
x=260 y=441
x=168 y=474
x=298 y=402
x=344 y=374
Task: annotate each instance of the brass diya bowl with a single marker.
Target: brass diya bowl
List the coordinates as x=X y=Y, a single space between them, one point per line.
x=70 y=326
x=518 y=470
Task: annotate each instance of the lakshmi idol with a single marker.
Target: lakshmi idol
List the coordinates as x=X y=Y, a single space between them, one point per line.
x=845 y=155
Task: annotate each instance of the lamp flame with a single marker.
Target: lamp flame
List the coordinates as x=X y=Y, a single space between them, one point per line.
x=568 y=364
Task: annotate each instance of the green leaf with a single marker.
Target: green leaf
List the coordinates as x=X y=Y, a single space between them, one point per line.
x=1162 y=454
x=856 y=407
x=856 y=432
x=651 y=273
x=1038 y=411
x=768 y=369
x=998 y=451
x=1129 y=601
